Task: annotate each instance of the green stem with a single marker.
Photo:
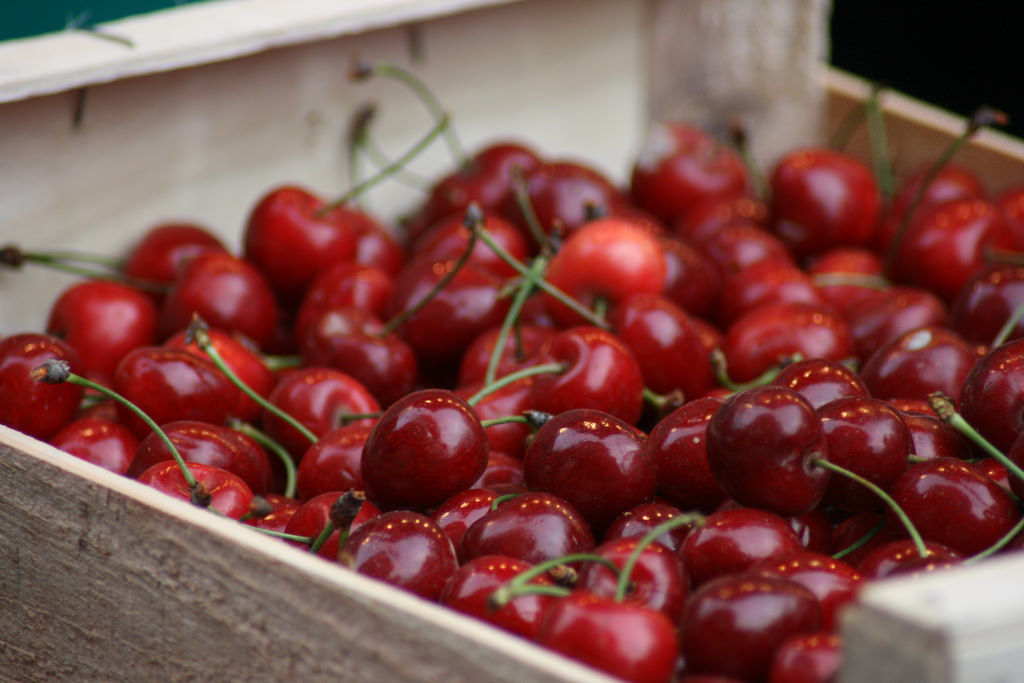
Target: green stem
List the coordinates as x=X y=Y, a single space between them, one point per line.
x=622 y=587
x=1007 y=329
x=878 y=491
x=537 y=268
x=322 y=537
x=304 y=540
x=721 y=370
x=507 y=419
x=520 y=584
x=740 y=140
x=860 y=542
x=998 y=545
x=13 y=257
x=522 y=196
x=263 y=439
x=943 y=407
x=511 y=378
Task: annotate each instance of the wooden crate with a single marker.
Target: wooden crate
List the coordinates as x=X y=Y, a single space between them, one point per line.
x=103 y=579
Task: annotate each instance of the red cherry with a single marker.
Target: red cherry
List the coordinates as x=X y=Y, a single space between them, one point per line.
x=807 y=658
x=835 y=583
x=512 y=399
x=692 y=281
x=281 y=510
x=624 y=640
x=344 y=285
x=165 y=249
x=822 y=199
x=902 y=557
x=934 y=438
x=677 y=450
x=765 y=282
x=403 y=548
x=229 y=494
x=36 y=408
x=311 y=518
x=102 y=442
x=714 y=213
x=1011 y=202
x=657 y=579
x=376 y=246
x=919 y=363
x=519 y=352
x=592 y=460
x=737 y=247
x=986 y=301
x=877 y=320
x=868 y=529
x=734 y=625
x=681 y=166
x=821 y=381
x=761 y=444
x=426 y=447
x=449 y=238
x=332 y=463
x=846 y=276
x=992 y=396
x=458 y=513
x=637 y=521
x=503 y=473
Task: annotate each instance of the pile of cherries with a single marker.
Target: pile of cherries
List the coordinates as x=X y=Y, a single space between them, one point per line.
x=668 y=429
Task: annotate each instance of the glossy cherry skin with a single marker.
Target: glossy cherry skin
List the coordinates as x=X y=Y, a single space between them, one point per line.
x=512 y=399
x=901 y=557
x=821 y=381
x=733 y=625
x=877 y=320
x=229 y=494
x=677 y=450
x=714 y=213
x=449 y=238
x=601 y=374
x=868 y=529
x=521 y=349
x=625 y=640
x=280 y=513
x=823 y=198
x=1016 y=455
x=992 y=396
x=737 y=247
x=403 y=548
x=469 y=590
x=637 y=521
x=608 y=259
x=287 y=239
x=207 y=444
x=951 y=502
x=658 y=580
x=946 y=244
x=932 y=438
x=312 y=517
x=846 y=276
x=102 y=442
x=458 y=513
x=692 y=281
x=761 y=444
x=770 y=334
x=503 y=473
x=103 y=321
x=165 y=249
x=666 y=343
x=344 y=285
x=533 y=527
x=36 y=408
x=868 y=437
x=681 y=166
x=376 y=246
x=763 y=283
x=332 y=463
x=170 y=384
x=919 y=363
x=592 y=460
x=319 y=398
x=834 y=582
x=732 y=540
x=807 y=658
x=986 y=301
x=426 y=447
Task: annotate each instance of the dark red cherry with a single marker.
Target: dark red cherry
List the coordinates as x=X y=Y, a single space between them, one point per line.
x=311 y=518
x=657 y=579
x=835 y=583
x=228 y=494
x=449 y=238
x=165 y=249
x=281 y=510
x=821 y=381
x=714 y=213
x=845 y=276
x=332 y=463
x=36 y=408
x=919 y=363
x=426 y=447
x=807 y=658
x=503 y=473
x=901 y=557
x=761 y=444
x=344 y=285
x=592 y=460
x=677 y=450
x=934 y=438
x=512 y=399
x=877 y=320
x=765 y=282
x=376 y=246
x=637 y=521
x=992 y=396
x=987 y=301
x=692 y=281
x=737 y=247
x=520 y=350
x=403 y=548
x=102 y=442
x=458 y=513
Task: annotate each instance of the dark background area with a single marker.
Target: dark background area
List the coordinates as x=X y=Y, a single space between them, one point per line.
x=958 y=55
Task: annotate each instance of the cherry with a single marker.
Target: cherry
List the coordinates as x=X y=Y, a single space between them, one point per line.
x=601 y=374
x=228 y=292
x=281 y=509
x=733 y=625
x=458 y=513
x=637 y=521
x=807 y=658
x=692 y=281
x=823 y=198
x=513 y=399
x=856 y=536
x=877 y=320
x=762 y=283
x=821 y=381
x=770 y=334
x=868 y=437
x=814 y=529
x=320 y=399
x=845 y=276
x=679 y=167
x=311 y=520
x=934 y=438
x=226 y=493
x=470 y=588
x=376 y=246
x=737 y=247
x=533 y=527
x=504 y=473
x=102 y=321
x=344 y=285
x=31 y=407
x=625 y=640
x=170 y=384
x=732 y=540
x=450 y=237
x=834 y=582
x=207 y=444
x=332 y=463
x=952 y=503
x=951 y=181
x=714 y=213
x=761 y=445
x=520 y=351
x=403 y=548
x=986 y=303
x=677 y=450
x=657 y=579
x=165 y=249
x=902 y=557
x=102 y=442
x=289 y=238
x=426 y=447
x=592 y=460
x=1011 y=202
x=992 y=396
x=919 y=362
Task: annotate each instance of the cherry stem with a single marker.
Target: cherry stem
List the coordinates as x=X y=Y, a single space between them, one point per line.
x=304 y=540
x=720 y=367
x=13 y=257
x=322 y=537
x=361 y=140
x=198 y=334
x=850 y=280
x=511 y=378
x=860 y=542
x=879 y=143
x=55 y=371
x=943 y=407
x=880 y=492
x=998 y=545
x=282 y=362
x=385 y=172
x=473 y=219
x=503 y=499
x=739 y=136
x=541 y=283
x=1007 y=329
x=522 y=197
x=536 y=270
x=981 y=117
x=263 y=439
x=664 y=403
x=349 y=418
x=362 y=70
x=622 y=588
x=520 y=584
